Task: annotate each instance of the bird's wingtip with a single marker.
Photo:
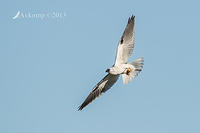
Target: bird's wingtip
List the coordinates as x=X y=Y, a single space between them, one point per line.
x=80 y=108
x=131 y=18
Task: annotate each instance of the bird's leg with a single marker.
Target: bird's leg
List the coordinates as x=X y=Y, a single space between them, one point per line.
x=128 y=71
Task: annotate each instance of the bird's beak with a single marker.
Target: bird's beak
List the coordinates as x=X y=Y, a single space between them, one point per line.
x=107 y=70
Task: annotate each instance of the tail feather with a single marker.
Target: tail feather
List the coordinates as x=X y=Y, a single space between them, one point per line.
x=137 y=65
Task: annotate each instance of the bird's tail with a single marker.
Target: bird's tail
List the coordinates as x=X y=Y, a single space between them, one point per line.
x=133 y=72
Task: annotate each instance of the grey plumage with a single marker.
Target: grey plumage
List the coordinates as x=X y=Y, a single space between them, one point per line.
x=100 y=88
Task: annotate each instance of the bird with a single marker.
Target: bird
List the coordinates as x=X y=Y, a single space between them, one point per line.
x=121 y=66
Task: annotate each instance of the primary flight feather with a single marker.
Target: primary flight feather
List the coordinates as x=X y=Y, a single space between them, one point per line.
x=128 y=70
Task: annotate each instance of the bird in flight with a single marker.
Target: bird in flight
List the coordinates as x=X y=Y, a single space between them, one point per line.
x=128 y=70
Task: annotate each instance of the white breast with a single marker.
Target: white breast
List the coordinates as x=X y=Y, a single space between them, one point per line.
x=119 y=69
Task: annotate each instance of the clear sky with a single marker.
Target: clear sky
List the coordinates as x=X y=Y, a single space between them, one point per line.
x=49 y=65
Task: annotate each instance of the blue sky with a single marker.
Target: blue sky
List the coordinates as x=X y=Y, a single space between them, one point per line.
x=49 y=66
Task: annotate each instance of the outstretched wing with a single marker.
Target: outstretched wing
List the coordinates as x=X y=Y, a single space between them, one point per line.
x=105 y=84
x=126 y=43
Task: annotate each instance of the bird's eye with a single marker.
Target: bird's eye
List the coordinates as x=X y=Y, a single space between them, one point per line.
x=107 y=70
